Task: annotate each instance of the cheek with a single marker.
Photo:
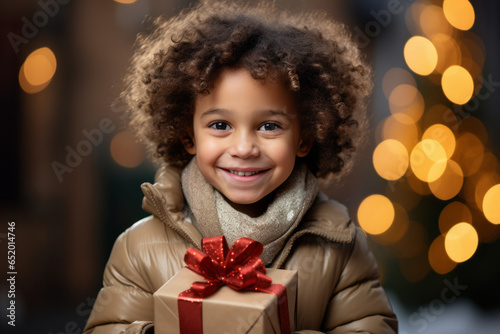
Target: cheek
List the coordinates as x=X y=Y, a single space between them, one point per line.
x=283 y=154
x=207 y=151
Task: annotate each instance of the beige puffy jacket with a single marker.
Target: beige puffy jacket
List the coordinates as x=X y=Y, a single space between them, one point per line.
x=338 y=288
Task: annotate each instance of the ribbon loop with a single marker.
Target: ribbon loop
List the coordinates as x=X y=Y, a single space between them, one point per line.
x=200 y=263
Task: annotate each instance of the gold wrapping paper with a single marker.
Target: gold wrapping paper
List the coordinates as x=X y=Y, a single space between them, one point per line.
x=227 y=311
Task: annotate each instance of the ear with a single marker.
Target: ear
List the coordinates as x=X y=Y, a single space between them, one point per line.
x=189 y=144
x=305 y=145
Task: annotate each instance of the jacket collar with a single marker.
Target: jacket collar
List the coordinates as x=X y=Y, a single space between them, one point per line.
x=164 y=199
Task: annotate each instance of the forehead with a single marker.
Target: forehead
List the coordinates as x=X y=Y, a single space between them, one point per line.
x=236 y=89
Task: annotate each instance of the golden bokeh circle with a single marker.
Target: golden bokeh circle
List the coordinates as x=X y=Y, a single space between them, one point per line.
x=452 y=214
x=449 y=184
x=390 y=159
x=37 y=70
x=376 y=214
x=457 y=84
x=460 y=13
x=126 y=151
x=491 y=204
x=461 y=242
x=438 y=259
x=420 y=55
x=428 y=160
x=443 y=135
x=406 y=100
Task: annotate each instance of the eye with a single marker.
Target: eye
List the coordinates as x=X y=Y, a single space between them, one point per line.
x=270 y=127
x=219 y=126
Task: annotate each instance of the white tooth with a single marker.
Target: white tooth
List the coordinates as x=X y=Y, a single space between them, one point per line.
x=242 y=173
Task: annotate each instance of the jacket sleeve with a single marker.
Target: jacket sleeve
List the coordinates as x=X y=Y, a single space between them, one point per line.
x=358 y=303
x=124 y=298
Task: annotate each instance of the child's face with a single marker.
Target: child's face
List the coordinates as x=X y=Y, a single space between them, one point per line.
x=246 y=136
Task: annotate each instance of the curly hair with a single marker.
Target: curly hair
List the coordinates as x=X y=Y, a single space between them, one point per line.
x=313 y=56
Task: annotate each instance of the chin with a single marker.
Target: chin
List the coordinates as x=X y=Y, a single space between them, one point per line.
x=243 y=201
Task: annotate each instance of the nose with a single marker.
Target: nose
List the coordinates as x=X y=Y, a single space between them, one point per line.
x=244 y=146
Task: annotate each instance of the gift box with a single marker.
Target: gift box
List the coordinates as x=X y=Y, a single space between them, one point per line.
x=227 y=310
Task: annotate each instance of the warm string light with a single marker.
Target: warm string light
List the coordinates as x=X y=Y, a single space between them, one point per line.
x=376 y=214
x=427 y=151
x=126 y=151
x=37 y=70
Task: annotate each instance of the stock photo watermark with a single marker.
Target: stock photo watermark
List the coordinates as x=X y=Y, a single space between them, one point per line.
x=11 y=273
x=85 y=147
x=31 y=26
x=84 y=311
x=450 y=117
x=427 y=314
x=381 y=20
x=466 y=110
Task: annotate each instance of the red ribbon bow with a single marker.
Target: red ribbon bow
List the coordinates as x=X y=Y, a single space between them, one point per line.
x=239 y=267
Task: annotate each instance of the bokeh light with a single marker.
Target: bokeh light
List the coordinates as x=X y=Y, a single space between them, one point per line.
x=438 y=258
x=469 y=153
x=416 y=268
x=452 y=214
x=448 y=160
x=406 y=100
x=432 y=21
x=469 y=190
x=126 y=151
x=397 y=229
x=420 y=55
x=405 y=132
x=459 y=13
x=472 y=47
x=126 y=1
x=443 y=135
x=448 y=50
x=400 y=192
x=428 y=160
x=473 y=125
x=491 y=204
x=390 y=159
x=418 y=186
x=457 y=84
x=394 y=77
x=413 y=16
x=487 y=232
x=26 y=86
x=449 y=184
x=375 y=214
x=484 y=182
x=461 y=242
x=37 y=70
x=413 y=242
x=490 y=162
x=440 y=114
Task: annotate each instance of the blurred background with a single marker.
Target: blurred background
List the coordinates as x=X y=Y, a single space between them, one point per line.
x=426 y=189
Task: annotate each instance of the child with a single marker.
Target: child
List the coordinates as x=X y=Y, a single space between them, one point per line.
x=246 y=108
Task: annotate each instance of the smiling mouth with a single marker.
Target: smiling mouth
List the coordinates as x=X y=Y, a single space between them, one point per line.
x=249 y=173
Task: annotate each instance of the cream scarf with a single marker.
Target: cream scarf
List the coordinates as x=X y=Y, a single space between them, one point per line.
x=214 y=216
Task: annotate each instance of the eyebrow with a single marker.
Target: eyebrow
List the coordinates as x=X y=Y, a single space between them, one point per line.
x=214 y=111
x=270 y=112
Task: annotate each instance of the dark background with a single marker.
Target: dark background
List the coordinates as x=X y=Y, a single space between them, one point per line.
x=65 y=228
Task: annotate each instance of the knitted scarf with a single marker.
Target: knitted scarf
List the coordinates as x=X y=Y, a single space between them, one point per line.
x=213 y=215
